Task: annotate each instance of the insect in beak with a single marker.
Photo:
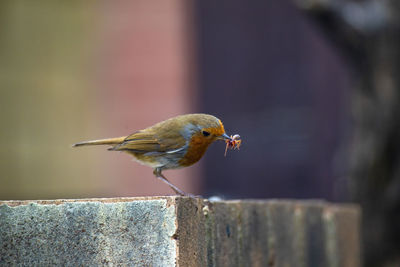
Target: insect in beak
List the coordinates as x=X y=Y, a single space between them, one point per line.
x=232 y=142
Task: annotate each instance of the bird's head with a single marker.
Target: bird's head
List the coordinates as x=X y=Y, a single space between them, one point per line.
x=203 y=128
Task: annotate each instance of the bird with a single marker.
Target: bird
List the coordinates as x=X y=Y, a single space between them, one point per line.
x=175 y=143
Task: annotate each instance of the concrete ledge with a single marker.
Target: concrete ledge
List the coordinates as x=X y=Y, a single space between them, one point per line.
x=177 y=231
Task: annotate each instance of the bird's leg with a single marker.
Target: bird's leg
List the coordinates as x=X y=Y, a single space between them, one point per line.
x=159 y=175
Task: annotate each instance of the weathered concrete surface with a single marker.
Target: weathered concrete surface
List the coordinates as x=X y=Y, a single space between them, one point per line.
x=176 y=231
x=88 y=233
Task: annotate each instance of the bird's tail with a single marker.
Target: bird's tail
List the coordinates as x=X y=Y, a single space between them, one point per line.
x=108 y=141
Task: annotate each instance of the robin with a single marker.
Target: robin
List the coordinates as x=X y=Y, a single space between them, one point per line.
x=171 y=144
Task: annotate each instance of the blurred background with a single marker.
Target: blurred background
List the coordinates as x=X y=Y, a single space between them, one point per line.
x=312 y=87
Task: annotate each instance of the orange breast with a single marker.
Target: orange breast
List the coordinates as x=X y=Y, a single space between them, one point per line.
x=197 y=147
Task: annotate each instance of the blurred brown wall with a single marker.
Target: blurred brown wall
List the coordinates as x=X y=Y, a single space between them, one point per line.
x=72 y=71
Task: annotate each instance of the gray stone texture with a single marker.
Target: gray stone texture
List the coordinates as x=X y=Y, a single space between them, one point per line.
x=178 y=231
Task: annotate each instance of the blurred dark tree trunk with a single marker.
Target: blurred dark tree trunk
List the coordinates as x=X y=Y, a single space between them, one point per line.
x=368 y=34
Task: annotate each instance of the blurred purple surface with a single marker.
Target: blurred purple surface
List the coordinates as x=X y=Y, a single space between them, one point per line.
x=271 y=76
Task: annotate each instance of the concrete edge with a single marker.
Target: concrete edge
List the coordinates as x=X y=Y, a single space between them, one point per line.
x=14 y=203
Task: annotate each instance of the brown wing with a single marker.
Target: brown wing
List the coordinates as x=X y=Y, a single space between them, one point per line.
x=147 y=142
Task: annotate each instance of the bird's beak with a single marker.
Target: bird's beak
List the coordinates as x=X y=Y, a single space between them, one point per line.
x=224 y=136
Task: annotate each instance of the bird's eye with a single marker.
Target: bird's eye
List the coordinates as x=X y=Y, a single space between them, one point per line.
x=205 y=133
